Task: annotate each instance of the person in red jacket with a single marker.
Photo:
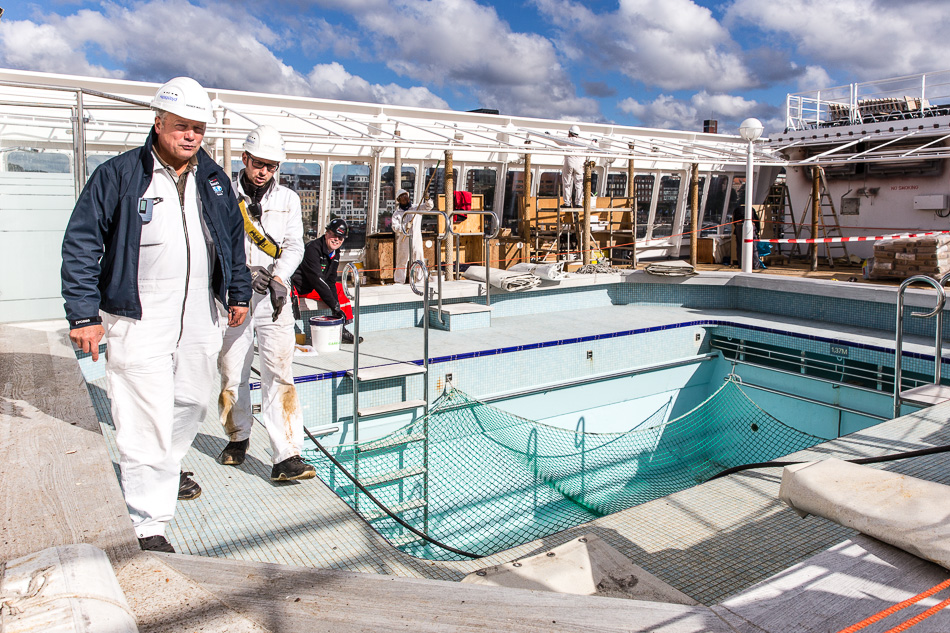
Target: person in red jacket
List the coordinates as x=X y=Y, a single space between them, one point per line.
x=316 y=276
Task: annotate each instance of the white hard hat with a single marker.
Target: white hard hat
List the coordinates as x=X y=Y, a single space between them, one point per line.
x=574 y=131
x=400 y=192
x=266 y=143
x=186 y=98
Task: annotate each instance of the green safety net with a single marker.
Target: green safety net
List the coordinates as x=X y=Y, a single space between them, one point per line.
x=482 y=480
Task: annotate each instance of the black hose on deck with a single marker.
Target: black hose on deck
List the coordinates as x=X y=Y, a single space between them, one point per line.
x=864 y=460
x=382 y=507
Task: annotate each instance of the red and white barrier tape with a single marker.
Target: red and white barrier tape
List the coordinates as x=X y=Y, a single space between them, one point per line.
x=864 y=238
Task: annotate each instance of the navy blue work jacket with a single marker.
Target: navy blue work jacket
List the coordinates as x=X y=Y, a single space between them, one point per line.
x=101 y=244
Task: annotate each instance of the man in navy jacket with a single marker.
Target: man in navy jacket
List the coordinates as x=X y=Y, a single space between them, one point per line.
x=152 y=253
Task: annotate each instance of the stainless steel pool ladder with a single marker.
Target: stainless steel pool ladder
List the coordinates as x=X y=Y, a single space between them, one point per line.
x=486 y=239
x=394 y=370
x=925 y=394
x=441 y=237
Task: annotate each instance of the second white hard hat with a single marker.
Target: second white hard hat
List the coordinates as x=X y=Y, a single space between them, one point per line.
x=265 y=143
x=400 y=192
x=574 y=131
x=186 y=98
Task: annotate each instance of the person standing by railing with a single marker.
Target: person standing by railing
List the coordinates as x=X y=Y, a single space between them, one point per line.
x=274 y=247
x=151 y=254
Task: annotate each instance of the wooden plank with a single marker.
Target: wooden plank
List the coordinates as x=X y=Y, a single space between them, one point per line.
x=288 y=598
x=57 y=483
x=837 y=588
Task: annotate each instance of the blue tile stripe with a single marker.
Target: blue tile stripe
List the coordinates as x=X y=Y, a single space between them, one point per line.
x=646 y=330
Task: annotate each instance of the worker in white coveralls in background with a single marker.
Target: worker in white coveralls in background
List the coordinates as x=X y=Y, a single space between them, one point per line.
x=152 y=252
x=274 y=247
x=408 y=247
x=572 y=175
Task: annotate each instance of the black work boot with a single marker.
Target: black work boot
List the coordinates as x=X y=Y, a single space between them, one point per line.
x=347 y=337
x=233 y=454
x=188 y=488
x=157 y=543
x=292 y=468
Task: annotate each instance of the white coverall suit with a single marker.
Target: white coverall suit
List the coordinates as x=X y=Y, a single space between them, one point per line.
x=408 y=247
x=280 y=406
x=572 y=180
x=161 y=368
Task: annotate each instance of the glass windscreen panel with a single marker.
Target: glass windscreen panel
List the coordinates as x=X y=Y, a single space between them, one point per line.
x=37 y=161
x=304 y=178
x=349 y=199
x=387 y=193
x=712 y=210
x=643 y=191
x=616 y=185
x=666 y=205
x=688 y=221
x=736 y=197
x=514 y=189
x=481 y=181
x=549 y=184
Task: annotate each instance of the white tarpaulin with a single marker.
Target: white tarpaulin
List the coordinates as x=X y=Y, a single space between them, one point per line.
x=503 y=279
x=551 y=272
x=909 y=513
x=671 y=269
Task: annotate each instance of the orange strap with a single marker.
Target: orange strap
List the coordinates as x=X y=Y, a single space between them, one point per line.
x=900 y=605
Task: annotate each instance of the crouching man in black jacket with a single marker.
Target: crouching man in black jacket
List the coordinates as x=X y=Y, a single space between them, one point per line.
x=316 y=276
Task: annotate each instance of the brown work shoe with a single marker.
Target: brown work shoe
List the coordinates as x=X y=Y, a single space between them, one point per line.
x=157 y=543
x=188 y=488
x=234 y=453
x=292 y=468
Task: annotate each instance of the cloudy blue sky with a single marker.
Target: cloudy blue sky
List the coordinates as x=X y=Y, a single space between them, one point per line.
x=657 y=63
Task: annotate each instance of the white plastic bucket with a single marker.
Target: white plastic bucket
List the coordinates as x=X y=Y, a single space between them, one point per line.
x=325 y=333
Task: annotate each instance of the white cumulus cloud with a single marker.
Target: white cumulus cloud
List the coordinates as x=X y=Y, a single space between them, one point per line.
x=668 y=112
x=154 y=40
x=332 y=81
x=674 y=44
x=866 y=39
x=466 y=45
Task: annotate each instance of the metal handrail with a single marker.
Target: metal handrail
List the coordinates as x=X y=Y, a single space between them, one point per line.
x=421 y=265
x=438 y=251
x=354 y=296
x=424 y=293
x=899 y=340
x=496 y=225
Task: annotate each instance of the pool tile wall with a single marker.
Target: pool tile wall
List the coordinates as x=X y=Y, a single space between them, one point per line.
x=813 y=307
x=327 y=398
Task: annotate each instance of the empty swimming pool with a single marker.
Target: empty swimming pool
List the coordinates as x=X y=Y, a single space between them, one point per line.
x=486 y=475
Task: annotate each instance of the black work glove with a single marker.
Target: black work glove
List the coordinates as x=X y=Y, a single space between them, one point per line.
x=260 y=279
x=278 y=297
x=338 y=313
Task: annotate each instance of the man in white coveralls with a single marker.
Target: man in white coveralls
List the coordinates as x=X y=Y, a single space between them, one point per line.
x=274 y=248
x=408 y=247
x=152 y=252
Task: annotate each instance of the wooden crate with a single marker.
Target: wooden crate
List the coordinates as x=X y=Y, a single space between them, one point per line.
x=471 y=224
x=709 y=250
x=380 y=252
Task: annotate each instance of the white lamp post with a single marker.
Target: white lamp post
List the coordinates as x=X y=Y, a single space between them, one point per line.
x=749 y=130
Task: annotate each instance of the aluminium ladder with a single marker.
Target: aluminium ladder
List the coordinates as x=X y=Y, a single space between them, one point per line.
x=360 y=376
x=935 y=392
x=828 y=223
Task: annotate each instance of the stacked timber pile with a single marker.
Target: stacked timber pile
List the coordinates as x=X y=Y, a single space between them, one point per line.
x=900 y=259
